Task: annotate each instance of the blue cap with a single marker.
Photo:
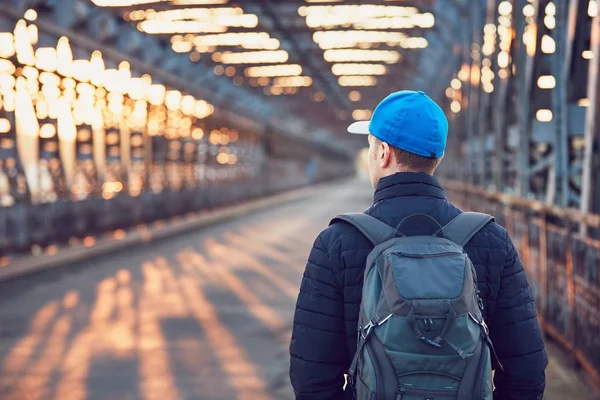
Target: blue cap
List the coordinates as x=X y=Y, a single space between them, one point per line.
x=410 y=121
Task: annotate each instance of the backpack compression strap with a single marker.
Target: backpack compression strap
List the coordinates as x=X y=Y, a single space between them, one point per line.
x=375 y=230
x=462 y=228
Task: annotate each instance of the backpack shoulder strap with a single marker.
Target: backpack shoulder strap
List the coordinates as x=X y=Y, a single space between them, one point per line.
x=375 y=230
x=462 y=228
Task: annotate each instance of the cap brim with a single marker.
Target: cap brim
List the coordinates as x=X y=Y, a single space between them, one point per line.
x=359 y=128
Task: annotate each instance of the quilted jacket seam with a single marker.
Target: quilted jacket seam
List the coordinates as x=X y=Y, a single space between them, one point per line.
x=321 y=330
x=320 y=313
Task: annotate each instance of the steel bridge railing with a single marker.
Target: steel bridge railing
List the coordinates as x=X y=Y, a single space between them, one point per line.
x=562 y=265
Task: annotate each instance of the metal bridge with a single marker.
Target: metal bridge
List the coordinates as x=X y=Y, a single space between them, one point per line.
x=158 y=157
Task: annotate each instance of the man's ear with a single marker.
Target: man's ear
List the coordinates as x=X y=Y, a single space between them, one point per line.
x=386 y=155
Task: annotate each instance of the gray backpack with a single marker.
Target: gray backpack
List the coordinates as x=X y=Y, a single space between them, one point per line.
x=421 y=333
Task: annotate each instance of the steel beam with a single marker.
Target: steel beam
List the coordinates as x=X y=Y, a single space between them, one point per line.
x=480 y=158
x=467 y=110
x=591 y=162
x=498 y=99
x=526 y=64
x=564 y=32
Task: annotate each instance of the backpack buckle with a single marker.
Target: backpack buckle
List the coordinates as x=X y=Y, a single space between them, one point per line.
x=366 y=331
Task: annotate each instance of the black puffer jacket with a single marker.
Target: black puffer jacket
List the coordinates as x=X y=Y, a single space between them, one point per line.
x=325 y=323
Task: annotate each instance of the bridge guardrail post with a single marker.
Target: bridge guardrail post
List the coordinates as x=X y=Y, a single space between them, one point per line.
x=571 y=331
x=544 y=266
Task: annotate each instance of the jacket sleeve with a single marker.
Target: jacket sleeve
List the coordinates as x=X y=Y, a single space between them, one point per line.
x=318 y=349
x=516 y=335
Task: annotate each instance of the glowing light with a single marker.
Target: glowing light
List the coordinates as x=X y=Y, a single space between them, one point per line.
x=426 y=20
x=21 y=104
x=488 y=48
x=4 y=125
x=128 y=3
x=450 y=92
x=550 y=22
x=64 y=56
x=182 y=47
x=81 y=70
x=544 y=115
x=222 y=158
x=455 y=107
x=489 y=29
x=31 y=15
x=587 y=54
x=198 y=2
x=464 y=72
x=23 y=46
x=319 y=96
x=361 y=115
x=456 y=84
x=156 y=94
x=7 y=45
x=503 y=59
x=173 y=99
x=199 y=14
x=293 y=81
x=274 y=70
x=32 y=32
x=8 y=68
x=358 y=69
x=330 y=16
x=246 y=40
x=230 y=71
x=47 y=131
x=224 y=21
x=551 y=9
x=528 y=11
x=593 y=8
x=165 y=27
x=366 y=17
x=546 y=82
x=188 y=104
x=354 y=95
x=352 y=80
x=583 y=102
x=203 y=109
x=112 y=187
x=97 y=68
x=388 y=56
x=66 y=126
x=529 y=39
x=355 y=38
x=252 y=57
x=548 y=45
x=505 y=8
x=197 y=133
x=46 y=59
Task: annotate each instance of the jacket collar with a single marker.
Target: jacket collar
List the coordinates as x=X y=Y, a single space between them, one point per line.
x=408 y=184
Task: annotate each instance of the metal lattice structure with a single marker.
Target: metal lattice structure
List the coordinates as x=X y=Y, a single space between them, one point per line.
x=327 y=101
x=525 y=102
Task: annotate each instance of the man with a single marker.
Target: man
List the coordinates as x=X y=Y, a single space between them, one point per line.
x=407 y=139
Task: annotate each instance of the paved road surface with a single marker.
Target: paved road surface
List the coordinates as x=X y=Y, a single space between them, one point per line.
x=204 y=316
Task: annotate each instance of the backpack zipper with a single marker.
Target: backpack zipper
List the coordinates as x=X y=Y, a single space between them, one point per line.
x=436 y=255
x=427 y=392
x=379 y=381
